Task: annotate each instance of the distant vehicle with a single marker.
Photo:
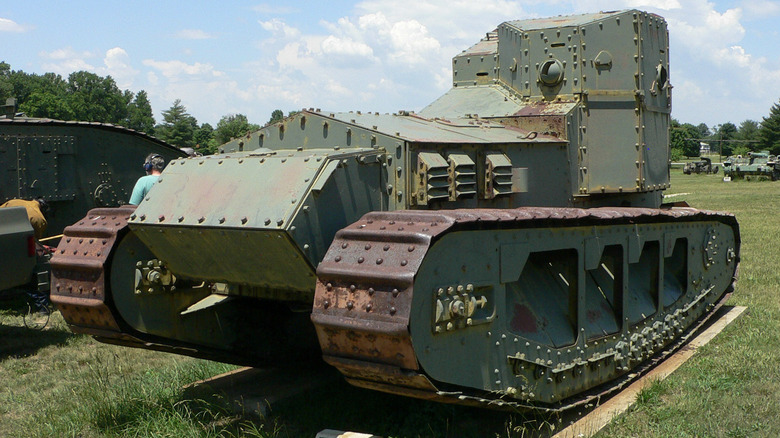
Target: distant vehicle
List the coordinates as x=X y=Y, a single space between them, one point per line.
x=755 y=164
x=704 y=165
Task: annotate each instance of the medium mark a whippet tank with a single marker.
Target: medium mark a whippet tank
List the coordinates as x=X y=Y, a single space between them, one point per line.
x=506 y=246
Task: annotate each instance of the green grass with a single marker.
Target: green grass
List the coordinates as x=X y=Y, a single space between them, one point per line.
x=55 y=383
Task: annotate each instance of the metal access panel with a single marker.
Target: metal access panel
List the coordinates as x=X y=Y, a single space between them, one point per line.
x=36 y=166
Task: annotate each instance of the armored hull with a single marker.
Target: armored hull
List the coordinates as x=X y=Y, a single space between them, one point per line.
x=506 y=246
x=74 y=167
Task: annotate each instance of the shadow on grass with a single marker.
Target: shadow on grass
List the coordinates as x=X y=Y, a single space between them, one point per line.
x=340 y=406
x=18 y=341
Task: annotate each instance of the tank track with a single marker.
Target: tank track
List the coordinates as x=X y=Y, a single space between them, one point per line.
x=364 y=293
x=80 y=279
x=364 y=310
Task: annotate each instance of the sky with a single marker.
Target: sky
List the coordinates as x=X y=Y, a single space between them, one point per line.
x=244 y=57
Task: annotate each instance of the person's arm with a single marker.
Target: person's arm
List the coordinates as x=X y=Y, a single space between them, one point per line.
x=138 y=193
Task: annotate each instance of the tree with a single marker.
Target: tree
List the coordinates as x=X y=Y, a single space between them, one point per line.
x=276 y=116
x=41 y=95
x=96 y=99
x=6 y=88
x=769 y=133
x=684 y=138
x=704 y=131
x=139 y=114
x=204 y=140
x=233 y=126
x=723 y=133
x=178 y=127
x=748 y=134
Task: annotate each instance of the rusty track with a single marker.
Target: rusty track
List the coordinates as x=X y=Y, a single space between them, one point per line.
x=79 y=280
x=363 y=293
x=365 y=284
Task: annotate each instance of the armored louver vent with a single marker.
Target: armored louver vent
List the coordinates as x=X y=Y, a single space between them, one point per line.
x=498 y=175
x=463 y=176
x=432 y=172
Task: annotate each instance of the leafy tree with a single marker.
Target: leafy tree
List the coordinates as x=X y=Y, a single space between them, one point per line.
x=96 y=99
x=725 y=132
x=748 y=134
x=139 y=114
x=684 y=138
x=204 y=140
x=42 y=104
x=6 y=88
x=178 y=127
x=41 y=95
x=704 y=131
x=769 y=133
x=233 y=126
x=276 y=116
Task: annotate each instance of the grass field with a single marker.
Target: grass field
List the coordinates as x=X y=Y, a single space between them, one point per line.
x=55 y=383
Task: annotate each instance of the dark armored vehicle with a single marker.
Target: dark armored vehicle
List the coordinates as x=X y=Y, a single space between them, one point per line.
x=704 y=165
x=506 y=246
x=74 y=167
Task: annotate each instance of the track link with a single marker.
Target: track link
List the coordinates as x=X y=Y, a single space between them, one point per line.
x=365 y=308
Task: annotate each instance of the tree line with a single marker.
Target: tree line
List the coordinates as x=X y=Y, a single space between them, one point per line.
x=727 y=139
x=86 y=96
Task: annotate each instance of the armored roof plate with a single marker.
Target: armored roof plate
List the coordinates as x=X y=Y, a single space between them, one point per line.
x=562 y=21
x=415 y=128
x=485 y=101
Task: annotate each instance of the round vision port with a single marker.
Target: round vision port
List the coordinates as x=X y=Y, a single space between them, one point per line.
x=551 y=72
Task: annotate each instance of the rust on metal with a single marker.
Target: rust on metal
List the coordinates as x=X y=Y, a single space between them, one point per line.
x=362 y=308
x=78 y=270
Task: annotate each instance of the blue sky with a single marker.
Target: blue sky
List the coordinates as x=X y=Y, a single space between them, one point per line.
x=374 y=55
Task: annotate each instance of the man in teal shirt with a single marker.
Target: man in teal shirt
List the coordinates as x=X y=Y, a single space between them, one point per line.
x=153 y=166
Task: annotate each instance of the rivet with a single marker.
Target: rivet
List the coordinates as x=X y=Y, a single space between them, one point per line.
x=329 y=286
x=371 y=291
x=326 y=304
x=244 y=220
x=222 y=220
x=368 y=246
x=267 y=221
x=201 y=219
x=344 y=245
x=337 y=259
x=387 y=247
x=181 y=218
x=352 y=288
x=350 y=305
x=361 y=259
x=369 y=307
x=379 y=261
x=395 y=292
x=403 y=262
x=392 y=310
x=411 y=248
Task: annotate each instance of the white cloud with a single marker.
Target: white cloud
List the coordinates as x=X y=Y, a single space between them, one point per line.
x=174 y=70
x=279 y=28
x=193 y=34
x=333 y=45
x=7 y=25
x=117 y=64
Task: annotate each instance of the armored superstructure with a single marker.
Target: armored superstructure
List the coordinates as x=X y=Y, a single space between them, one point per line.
x=506 y=246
